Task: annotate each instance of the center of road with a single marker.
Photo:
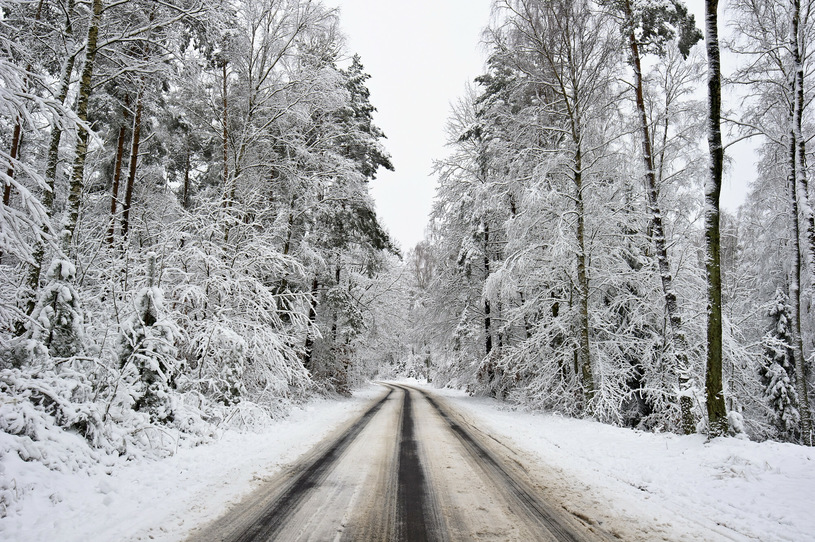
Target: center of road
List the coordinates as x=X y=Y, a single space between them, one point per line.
x=410 y=468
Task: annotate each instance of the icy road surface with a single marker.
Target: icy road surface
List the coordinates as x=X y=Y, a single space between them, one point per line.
x=410 y=468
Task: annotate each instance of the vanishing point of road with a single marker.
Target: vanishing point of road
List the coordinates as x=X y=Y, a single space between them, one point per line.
x=410 y=468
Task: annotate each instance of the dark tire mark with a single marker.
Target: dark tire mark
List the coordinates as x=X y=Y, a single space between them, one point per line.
x=413 y=513
x=274 y=516
x=496 y=470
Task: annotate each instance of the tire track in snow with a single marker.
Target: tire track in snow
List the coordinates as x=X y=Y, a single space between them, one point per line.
x=535 y=509
x=417 y=513
x=275 y=514
x=385 y=485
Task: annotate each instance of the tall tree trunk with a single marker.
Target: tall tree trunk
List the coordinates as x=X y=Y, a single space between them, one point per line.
x=798 y=53
x=681 y=368
x=83 y=98
x=802 y=190
x=584 y=350
x=134 y=159
x=795 y=300
x=716 y=410
x=117 y=172
x=801 y=212
x=487 y=330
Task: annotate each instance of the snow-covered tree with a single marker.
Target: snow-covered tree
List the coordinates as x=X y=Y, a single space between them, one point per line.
x=778 y=370
x=148 y=353
x=58 y=319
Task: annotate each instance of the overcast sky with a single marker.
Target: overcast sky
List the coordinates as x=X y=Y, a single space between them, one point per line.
x=420 y=56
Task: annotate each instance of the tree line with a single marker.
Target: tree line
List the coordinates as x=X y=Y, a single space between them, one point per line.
x=186 y=233
x=577 y=258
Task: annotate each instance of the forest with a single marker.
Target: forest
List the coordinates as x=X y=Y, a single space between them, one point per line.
x=577 y=260
x=188 y=240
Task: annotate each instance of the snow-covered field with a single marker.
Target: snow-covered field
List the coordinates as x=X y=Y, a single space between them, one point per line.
x=682 y=487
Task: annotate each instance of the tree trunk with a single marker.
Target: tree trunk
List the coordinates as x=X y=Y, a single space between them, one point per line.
x=584 y=350
x=83 y=98
x=185 y=199
x=15 y=144
x=226 y=189
x=289 y=228
x=15 y=147
x=487 y=330
x=681 y=368
x=117 y=173
x=801 y=211
x=795 y=300
x=797 y=45
x=134 y=159
x=716 y=410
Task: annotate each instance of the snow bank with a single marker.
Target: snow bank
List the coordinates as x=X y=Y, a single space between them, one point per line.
x=670 y=486
x=161 y=499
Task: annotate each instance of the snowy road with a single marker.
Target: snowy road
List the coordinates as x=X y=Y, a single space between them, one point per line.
x=410 y=468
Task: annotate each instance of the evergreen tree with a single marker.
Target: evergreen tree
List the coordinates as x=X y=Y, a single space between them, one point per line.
x=58 y=319
x=778 y=369
x=148 y=352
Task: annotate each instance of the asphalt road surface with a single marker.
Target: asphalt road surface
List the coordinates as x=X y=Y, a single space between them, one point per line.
x=410 y=468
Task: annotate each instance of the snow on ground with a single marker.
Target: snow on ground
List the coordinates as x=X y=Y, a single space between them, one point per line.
x=675 y=487
x=683 y=486
x=163 y=500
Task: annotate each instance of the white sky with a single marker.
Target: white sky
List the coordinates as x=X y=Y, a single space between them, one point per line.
x=420 y=56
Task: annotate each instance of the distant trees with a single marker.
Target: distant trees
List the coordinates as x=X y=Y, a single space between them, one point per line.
x=539 y=214
x=577 y=265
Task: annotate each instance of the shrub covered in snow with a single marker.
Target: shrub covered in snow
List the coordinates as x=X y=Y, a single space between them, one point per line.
x=58 y=319
x=148 y=351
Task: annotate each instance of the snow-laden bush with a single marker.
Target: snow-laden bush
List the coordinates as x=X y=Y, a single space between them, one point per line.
x=35 y=401
x=148 y=355
x=58 y=319
x=218 y=362
x=47 y=417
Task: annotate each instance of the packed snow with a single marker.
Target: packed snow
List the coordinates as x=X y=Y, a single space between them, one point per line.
x=680 y=487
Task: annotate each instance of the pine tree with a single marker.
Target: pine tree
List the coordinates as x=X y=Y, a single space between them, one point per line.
x=58 y=319
x=649 y=28
x=148 y=353
x=778 y=370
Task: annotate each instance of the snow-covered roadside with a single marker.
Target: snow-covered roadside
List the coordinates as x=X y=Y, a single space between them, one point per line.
x=165 y=499
x=681 y=487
